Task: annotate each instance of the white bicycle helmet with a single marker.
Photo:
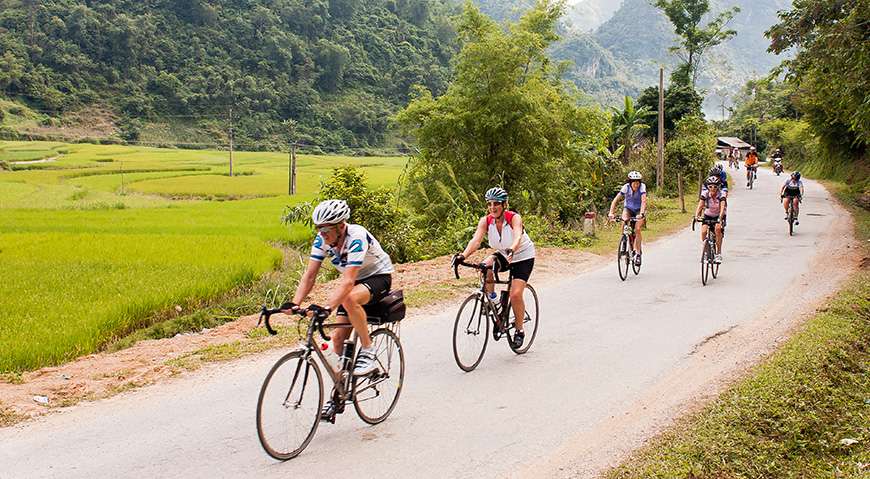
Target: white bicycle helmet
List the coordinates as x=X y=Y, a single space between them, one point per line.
x=634 y=176
x=496 y=194
x=330 y=212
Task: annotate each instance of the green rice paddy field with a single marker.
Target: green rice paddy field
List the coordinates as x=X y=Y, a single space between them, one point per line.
x=99 y=237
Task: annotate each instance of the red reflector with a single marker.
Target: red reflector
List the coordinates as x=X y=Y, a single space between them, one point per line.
x=324 y=346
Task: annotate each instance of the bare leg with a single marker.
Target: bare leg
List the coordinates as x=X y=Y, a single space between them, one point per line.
x=358 y=296
x=638 y=238
x=719 y=236
x=517 y=302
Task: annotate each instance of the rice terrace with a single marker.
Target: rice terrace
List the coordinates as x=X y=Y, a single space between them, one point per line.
x=95 y=238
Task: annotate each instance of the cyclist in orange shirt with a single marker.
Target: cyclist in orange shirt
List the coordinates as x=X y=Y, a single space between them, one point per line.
x=751 y=163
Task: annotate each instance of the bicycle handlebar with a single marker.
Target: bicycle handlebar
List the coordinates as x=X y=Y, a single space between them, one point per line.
x=477 y=266
x=712 y=222
x=266 y=313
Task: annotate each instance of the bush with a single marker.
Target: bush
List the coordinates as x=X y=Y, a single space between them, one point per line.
x=375 y=209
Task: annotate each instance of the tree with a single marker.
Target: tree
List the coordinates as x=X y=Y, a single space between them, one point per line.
x=628 y=123
x=691 y=152
x=681 y=100
x=686 y=16
x=507 y=119
x=830 y=69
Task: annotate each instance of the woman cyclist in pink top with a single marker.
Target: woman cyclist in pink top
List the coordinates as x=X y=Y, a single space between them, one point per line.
x=713 y=203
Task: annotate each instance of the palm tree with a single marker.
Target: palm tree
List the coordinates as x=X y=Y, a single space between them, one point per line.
x=627 y=124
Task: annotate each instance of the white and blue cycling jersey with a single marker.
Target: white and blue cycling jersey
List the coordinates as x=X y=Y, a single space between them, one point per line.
x=633 y=198
x=360 y=249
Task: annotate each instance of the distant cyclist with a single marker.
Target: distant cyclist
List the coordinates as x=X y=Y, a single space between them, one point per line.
x=734 y=158
x=792 y=191
x=515 y=252
x=366 y=276
x=634 y=193
x=751 y=163
x=712 y=204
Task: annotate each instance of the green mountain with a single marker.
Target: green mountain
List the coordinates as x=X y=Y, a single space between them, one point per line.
x=338 y=68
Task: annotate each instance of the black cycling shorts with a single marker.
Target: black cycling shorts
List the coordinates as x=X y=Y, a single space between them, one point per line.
x=378 y=285
x=788 y=193
x=632 y=213
x=519 y=270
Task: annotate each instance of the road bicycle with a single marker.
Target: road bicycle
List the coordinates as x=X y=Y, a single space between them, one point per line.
x=290 y=405
x=752 y=174
x=478 y=313
x=625 y=254
x=777 y=167
x=709 y=266
x=791 y=216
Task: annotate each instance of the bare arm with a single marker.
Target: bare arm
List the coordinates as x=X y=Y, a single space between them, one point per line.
x=643 y=205
x=474 y=244
x=306 y=282
x=722 y=208
x=614 y=203
x=517 y=227
x=348 y=279
x=700 y=207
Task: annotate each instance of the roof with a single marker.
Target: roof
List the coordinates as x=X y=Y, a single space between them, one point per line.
x=732 y=141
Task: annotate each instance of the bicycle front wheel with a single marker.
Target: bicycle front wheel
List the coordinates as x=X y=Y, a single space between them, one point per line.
x=530 y=321
x=375 y=395
x=791 y=221
x=288 y=409
x=623 y=257
x=470 y=332
x=705 y=263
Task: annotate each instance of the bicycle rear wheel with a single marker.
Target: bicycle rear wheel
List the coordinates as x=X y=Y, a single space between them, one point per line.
x=288 y=409
x=471 y=332
x=530 y=320
x=623 y=257
x=375 y=395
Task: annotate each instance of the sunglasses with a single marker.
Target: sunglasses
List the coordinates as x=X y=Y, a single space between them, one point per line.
x=494 y=203
x=327 y=229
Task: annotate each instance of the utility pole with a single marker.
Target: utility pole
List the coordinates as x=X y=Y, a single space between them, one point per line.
x=660 y=167
x=231 y=140
x=293 y=168
x=291 y=136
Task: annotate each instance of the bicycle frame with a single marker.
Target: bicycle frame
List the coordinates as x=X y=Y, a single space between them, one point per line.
x=482 y=268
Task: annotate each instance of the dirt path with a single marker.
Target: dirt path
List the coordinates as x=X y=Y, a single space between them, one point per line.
x=102 y=375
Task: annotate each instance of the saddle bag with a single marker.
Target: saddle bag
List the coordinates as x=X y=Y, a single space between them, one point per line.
x=390 y=309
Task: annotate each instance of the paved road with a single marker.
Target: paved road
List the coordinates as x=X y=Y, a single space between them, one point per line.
x=593 y=357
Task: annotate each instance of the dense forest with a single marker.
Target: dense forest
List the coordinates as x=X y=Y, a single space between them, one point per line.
x=337 y=68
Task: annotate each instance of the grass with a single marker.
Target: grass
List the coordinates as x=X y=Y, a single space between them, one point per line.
x=803 y=413
x=87 y=261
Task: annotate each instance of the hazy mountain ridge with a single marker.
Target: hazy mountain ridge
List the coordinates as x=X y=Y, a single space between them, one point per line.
x=622 y=55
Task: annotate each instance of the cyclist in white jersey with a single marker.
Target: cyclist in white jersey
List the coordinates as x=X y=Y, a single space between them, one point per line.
x=791 y=192
x=366 y=276
x=515 y=252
